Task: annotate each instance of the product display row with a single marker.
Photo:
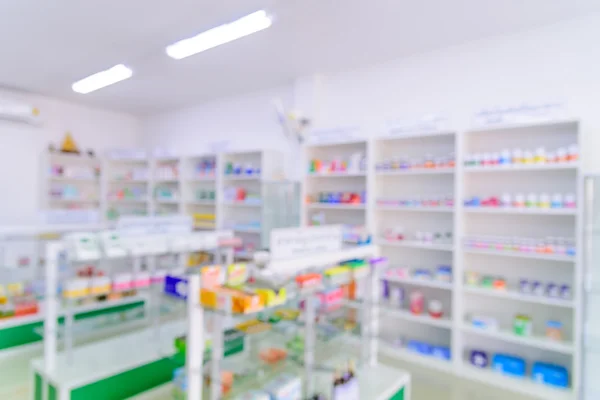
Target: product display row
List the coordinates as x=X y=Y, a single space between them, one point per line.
x=339 y=198
x=425 y=201
x=522 y=326
x=397 y=234
x=520 y=200
x=395 y=296
x=130 y=193
x=548 y=245
x=131 y=174
x=204 y=195
x=526 y=286
x=205 y=168
x=241 y=195
x=561 y=155
x=17 y=299
x=166 y=193
x=541 y=372
x=427 y=162
x=68 y=192
x=441 y=273
x=354 y=163
x=76 y=172
x=167 y=172
x=241 y=169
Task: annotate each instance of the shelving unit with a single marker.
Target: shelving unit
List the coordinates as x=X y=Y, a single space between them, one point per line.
x=128 y=187
x=92 y=370
x=398 y=195
x=72 y=182
x=492 y=180
x=167 y=197
x=244 y=194
x=375 y=381
x=336 y=169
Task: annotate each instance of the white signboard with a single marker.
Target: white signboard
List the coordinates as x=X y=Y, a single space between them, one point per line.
x=332 y=136
x=296 y=242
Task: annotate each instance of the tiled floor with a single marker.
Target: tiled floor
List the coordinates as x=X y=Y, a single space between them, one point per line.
x=427 y=384
x=433 y=385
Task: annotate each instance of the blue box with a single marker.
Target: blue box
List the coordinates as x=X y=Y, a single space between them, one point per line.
x=441 y=352
x=176 y=286
x=509 y=365
x=419 y=347
x=549 y=374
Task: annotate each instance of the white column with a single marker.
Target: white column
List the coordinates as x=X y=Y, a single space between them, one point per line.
x=194 y=340
x=53 y=250
x=309 y=344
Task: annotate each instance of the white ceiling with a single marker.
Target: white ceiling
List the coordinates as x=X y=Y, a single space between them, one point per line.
x=48 y=45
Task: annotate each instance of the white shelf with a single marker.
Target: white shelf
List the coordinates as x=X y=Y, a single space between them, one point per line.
x=417 y=171
x=128 y=201
x=74 y=180
x=523 y=167
x=337 y=174
x=336 y=206
x=241 y=177
x=420 y=282
x=415 y=244
x=202 y=179
x=513 y=295
x=129 y=181
x=169 y=181
x=440 y=209
x=201 y=203
x=424 y=319
x=167 y=201
x=529 y=341
x=248 y=230
x=522 y=211
x=241 y=204
x=520 y=254
x=403 y=354
x=81 y=201
x=521 y=385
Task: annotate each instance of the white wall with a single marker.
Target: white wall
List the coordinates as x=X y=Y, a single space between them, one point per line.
x=553 y=62
x=238 y=123
x=22 y=148
x=557 y=62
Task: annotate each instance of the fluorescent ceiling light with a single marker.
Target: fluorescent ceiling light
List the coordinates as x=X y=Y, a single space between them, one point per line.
x=102 y=79
x=244 y=26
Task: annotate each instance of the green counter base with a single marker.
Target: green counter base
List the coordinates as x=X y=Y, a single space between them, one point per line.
x=25 y=334
x=116 y=387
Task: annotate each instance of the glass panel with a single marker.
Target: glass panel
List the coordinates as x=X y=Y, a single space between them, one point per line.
x=591 y=351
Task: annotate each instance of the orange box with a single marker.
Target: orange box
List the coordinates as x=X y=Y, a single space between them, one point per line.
x=242 y=302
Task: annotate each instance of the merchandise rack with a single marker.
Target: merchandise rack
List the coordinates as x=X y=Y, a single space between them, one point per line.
x=354 y=180
x=92 y=368
x=375 y=381
x=17 y=332
x=461 y=300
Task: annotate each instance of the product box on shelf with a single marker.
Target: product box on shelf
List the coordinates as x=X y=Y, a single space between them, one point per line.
x=242 y=301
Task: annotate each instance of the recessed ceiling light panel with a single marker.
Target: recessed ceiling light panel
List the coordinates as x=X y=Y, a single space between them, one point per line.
x=222 y=34
x=102 y=79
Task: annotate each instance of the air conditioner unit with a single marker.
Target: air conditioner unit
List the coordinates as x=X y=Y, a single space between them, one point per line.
x=11 y=110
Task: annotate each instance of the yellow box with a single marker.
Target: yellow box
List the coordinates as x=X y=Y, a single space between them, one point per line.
x=75 y=293
x=100 y=289
x=272 y=297
x=242 y=302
